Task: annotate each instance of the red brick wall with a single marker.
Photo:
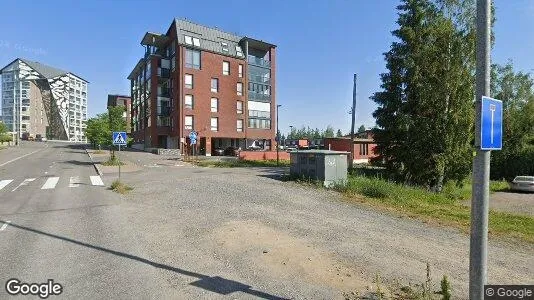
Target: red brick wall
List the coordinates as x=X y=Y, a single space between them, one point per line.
x=260 y=155
x=343 y=144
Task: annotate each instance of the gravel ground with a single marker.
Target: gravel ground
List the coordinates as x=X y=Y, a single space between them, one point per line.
x=241 y=233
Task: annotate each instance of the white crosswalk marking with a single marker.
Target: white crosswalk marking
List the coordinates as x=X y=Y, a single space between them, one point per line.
x=50 y=183
x=25 y=182
x=96 y=180
x=74 y=181
x=4 y=183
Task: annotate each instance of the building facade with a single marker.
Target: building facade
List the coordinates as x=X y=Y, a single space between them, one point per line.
x=126 y=101
x=42 y=100
x=198 y=78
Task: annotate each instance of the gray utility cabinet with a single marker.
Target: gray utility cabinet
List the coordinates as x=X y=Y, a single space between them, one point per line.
x=327 y=166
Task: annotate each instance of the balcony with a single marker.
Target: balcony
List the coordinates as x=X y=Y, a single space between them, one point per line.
x=259 y=97
x=260 y=62
x=164 y=73
x=164 y=92
x=259 y=79
x=164 y=111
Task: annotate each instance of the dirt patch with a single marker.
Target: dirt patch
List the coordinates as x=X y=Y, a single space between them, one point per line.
x=287 y=257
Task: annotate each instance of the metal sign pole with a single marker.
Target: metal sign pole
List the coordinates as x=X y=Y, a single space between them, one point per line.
x=118 y=159
x=478 y=251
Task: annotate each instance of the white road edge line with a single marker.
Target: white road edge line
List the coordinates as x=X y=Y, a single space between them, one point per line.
x=50 y=183
x=15 y=159
x=74 y=181
x=4 y=183
x=25 y=182
x=96 y=180
x=5 y=225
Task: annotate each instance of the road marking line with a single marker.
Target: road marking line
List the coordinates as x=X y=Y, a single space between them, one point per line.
x=50 y=183
x=5 y=225
x=3 y=183
x=96 y=180
x=25 y=182
x=74 y=181
x=15 y=159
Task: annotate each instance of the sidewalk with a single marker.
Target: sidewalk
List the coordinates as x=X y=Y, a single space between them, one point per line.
x=98 y=157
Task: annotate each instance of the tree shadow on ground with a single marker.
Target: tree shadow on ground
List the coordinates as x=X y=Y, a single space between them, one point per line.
x=214 y=284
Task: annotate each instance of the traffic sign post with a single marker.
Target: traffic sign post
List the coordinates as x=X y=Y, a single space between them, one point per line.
x=119 y=138
x=193 y=140
x=491 y=124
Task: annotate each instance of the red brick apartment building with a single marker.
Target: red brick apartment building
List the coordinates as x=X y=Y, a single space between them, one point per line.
x=126 y=101
x=199 y=78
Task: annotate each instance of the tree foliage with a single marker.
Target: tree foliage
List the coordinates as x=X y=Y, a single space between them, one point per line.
x=361 y=129
x=516 y=91
x=98 y=132
x=3 y=128
x=425 y=113
x=312 y=134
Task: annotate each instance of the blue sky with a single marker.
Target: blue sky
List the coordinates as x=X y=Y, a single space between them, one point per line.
x=321 y=44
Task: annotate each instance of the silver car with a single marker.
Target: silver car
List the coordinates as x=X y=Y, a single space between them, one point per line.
x=523 y=184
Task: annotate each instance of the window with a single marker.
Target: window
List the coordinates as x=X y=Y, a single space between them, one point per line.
x=238 y=50
x=226 y=68
x=239 y=107
x=196 y=42
x=214 y=85
x=364 y=149
x=189 y=81
x=240 y=89
x=240 y=71
x=188 y=122
x=239 y=125
x=188 y=101
x=25 y=118
x=214 y=105
x=188 y=40
x=214 y=124
x=192 y=59
x=224 y=46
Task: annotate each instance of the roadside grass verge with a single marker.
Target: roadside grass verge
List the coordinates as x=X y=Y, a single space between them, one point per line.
x=112 y=162
x=99 y=152
x=120 y=187
x=443 y=208
x=240 y=163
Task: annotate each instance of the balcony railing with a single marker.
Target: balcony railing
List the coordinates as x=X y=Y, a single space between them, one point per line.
x=259 y=97
x=259 y=62
x=164 y=73
x=164 y=92
x=164 y=111
x=259 y=79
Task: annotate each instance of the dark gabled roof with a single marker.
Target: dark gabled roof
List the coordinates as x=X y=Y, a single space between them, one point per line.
x=210 y=38
x=45 y=71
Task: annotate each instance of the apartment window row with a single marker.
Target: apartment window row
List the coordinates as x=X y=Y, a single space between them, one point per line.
x=188 y=78
x=214 y=124
x=259 y=114
x=259 y=123
x=226 y=69
x=189 y=103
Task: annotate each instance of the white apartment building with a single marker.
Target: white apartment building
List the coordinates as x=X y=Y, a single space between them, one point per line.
x=42 y=100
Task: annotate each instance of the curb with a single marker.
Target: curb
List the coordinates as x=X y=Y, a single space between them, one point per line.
x=98 y=171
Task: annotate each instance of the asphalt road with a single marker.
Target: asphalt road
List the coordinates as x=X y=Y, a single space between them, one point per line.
x=63 y=225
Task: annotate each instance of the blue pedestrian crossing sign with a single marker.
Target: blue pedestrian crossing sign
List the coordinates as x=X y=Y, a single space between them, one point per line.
x=193 y=137
x=491 y=124
x=119 y=138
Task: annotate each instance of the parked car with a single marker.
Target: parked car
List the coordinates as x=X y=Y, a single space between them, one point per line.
x=523 y=184
x=230 y=151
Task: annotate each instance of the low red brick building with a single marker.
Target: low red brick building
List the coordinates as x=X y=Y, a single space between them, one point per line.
x=364 y=148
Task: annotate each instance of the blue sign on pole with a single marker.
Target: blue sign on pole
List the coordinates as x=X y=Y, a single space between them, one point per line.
x=193 y=137
x=491 y=124
x=119 y=138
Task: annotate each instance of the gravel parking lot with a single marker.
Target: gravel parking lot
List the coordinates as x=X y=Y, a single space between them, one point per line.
x=263 y=237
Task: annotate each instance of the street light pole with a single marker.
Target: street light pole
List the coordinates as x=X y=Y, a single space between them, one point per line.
x=277 y=137
x=478 y=251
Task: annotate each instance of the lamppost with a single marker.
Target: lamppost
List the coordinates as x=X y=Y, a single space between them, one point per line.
x=277 y=137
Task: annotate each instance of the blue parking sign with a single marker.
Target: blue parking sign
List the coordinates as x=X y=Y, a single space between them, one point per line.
x=491 y=124
x=193 y=137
